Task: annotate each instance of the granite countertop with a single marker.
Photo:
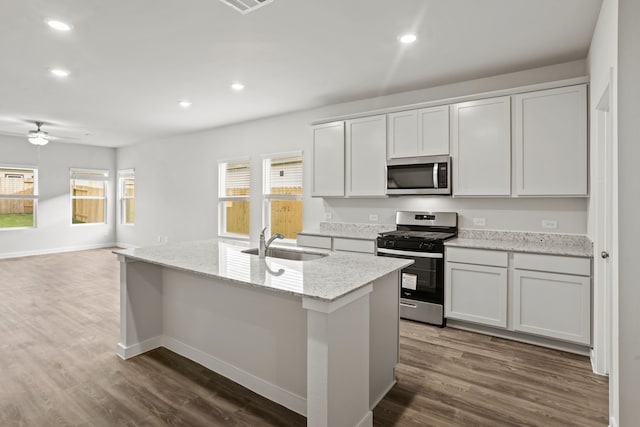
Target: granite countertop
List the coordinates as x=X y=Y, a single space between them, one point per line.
x=326 y=279
x=528 y=242
x=349 y=230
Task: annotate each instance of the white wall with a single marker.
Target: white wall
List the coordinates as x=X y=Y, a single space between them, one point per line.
x=54 y=231
x=176 y=177
x=628 y=208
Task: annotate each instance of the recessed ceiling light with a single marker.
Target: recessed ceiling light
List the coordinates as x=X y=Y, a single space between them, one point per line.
x=184 y=104
x=59 y=25
x=59 y=72
x=407 y=38
x=237 y=86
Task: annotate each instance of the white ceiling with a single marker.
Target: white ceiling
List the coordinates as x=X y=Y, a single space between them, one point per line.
x=131 y=61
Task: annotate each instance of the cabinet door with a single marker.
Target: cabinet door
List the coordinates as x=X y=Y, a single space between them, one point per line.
x=366 y=156
x=433 y=131
x=476 y=293
x=551 y=142
x=328 y=160
x=481 y=147
x=402 y=139
x=552 y=305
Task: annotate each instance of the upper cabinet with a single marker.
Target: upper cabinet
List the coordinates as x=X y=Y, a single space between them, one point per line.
x=328 y=160
x=550 y=141
x=481 y=147
x=349 y=158
x=423 y=132
x=548 y=130
x=366 y=156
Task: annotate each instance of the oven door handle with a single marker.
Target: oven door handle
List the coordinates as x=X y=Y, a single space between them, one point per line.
x=411 y=254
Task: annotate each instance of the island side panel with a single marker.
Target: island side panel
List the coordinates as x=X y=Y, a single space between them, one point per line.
x=384 y=341
x=140 y=307
x=253 y=336
x=338 y=361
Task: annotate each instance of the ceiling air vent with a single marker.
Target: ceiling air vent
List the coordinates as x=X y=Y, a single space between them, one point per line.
x=246 y=6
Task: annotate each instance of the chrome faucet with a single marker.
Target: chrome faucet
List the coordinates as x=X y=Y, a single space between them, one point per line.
x=262 y=251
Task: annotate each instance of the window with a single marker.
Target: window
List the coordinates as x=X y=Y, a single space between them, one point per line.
x=18 y=197
x=283 y=194
x=88 y=196
x=126 y=195
x=233 y=198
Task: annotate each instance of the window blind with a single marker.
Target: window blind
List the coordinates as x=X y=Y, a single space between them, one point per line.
x=237 y=178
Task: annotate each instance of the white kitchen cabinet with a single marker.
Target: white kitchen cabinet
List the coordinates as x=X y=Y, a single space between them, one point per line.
x=481 y=147
x=550 y=142
x=423 y=132
x=366 y=156
x=433 y=131
x=549 y=303
x=476 y=293
x=313 y=241
x=328 y=160
x=402 y=137
x=354 y=245
x=346 y=244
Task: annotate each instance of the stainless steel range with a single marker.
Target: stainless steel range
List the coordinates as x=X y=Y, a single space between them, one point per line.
x=420 y=236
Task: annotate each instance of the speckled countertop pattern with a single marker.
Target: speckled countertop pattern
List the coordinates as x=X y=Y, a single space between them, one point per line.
x=528 y=242
x=349 y=230
x=326 y=279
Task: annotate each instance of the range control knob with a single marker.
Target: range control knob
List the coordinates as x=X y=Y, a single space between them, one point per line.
x=426 y=245
x=391 y=243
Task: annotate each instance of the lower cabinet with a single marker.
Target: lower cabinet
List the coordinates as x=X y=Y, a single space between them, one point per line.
x=336 y=243
x=476 y=293
x=543 y=295
x=552 y=304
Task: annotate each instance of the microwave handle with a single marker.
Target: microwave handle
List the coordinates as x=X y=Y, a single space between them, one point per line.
x=435 y=176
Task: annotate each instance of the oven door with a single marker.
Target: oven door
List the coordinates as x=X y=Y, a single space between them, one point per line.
x=424 y=279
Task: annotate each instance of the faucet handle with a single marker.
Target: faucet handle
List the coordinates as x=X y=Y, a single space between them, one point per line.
x=263 y=230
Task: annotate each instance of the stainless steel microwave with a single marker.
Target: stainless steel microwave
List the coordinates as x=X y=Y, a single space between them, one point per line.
x=419 y=175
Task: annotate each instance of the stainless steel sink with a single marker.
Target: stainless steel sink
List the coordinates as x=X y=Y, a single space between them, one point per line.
x=288 y=254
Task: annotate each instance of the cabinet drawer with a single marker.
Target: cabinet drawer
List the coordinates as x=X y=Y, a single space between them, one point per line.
x=553 y=264
x=477 y=256
x=353 y=245
x=314 y=241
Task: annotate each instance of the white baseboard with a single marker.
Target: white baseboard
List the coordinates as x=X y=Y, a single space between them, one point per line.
x=383 y=394
x=580 y=349
x=126 y=245
x=139 y=348
x=613 y=422
x=56 y=250
x=264 y=388
x=366 y=421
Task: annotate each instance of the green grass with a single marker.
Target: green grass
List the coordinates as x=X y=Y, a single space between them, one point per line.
x=16 y=220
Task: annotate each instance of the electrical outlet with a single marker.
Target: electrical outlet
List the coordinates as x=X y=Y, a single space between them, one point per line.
x=480 y=222
x=328 y=215
x=159 y=239
x=166 y=239
x=549 y=223
x=373 y=217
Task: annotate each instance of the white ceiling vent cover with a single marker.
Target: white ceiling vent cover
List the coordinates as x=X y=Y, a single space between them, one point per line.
x=246 y=6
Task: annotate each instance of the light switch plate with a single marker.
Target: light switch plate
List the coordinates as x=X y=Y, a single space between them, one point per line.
x=328 y=215
x=549 y=223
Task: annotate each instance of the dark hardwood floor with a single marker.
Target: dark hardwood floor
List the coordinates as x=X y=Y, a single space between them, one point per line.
x=59 y=326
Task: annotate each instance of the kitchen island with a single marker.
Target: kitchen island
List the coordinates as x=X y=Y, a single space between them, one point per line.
x=320 y=337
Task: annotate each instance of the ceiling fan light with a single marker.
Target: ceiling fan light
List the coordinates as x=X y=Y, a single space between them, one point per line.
x=38 y=137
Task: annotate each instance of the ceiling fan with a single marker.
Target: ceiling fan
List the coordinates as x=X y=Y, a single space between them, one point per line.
x=38 y=137
x=11 y=127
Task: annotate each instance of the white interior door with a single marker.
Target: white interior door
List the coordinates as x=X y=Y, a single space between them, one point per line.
x=603 y=248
